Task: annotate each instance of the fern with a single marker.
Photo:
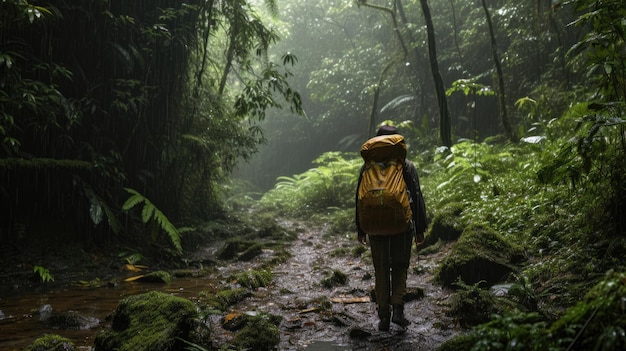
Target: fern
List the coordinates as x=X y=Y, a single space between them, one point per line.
x=44 y=274
x=152 y=213
x=329 y=185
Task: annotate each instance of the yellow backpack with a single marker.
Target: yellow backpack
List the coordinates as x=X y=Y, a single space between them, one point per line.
x=383 y=202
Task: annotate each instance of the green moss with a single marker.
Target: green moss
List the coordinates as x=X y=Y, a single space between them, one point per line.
x=335 y=278
x=358 y=250
x=152 y=321
x=44 y=163
x=339 y=252
x=280 y=256
x=260 y=333
x=157 y=277
x=432 y=248
x=447 y=225
x=251 y=252
x=462 y=342
x=225 y=298
x=253 y=279
x=51 y=342
x=231 y=248
x=481 y=254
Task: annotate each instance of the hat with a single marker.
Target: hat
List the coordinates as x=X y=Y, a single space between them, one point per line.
x=387 y=130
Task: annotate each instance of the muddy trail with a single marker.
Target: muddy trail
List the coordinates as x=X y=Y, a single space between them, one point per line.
x=317 y=316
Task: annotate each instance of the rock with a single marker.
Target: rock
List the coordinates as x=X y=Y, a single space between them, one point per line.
x=359 y=333
x=70 y=320
x=51 y=342
x=153 y=321
x=159 y=277
x=447 y=225
x=260 y=333
x=293 y=323
x=234 y=321
x=45 y=311
x=481 y=254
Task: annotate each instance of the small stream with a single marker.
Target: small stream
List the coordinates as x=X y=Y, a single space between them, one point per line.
x=20 y=321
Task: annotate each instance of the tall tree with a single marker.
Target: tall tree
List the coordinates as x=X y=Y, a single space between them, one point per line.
x=504 y=118
x=444 y=113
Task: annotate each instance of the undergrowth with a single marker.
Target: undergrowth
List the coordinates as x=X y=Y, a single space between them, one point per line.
x=558 y=196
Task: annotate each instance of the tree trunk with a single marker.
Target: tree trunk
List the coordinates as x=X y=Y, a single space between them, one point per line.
x=444 y=113
x=374 y=112
x=504 y=118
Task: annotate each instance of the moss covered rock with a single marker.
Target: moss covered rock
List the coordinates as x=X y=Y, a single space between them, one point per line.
x=253 y=279
x=152 y=321
x=223 y=299
x=51 y=342
x=158 y=277
x=260 y=333
x=447 y=225
x=481 y=254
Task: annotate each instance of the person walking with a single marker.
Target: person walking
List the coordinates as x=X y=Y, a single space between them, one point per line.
x=391 y=253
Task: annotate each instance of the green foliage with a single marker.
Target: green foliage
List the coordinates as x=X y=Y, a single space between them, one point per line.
x=327 y=186
x=521 y=331
x=601 y=48
x=43 y=274
x=598 y=320
x=471 y=304
x=469 y=86
x=524 y=292
x=151 y=214
x=153 y=106
x=595 y=323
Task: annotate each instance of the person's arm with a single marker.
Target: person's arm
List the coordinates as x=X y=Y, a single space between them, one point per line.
x=360 y=233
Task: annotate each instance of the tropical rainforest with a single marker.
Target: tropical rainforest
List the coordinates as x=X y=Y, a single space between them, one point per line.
x=135 y=123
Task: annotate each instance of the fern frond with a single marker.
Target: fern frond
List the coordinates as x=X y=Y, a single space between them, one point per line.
x=148 y=210
x=133 y=200
x=169 y=228
x=152 y=213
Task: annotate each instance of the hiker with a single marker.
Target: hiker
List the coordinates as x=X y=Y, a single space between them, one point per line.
x=391 y=249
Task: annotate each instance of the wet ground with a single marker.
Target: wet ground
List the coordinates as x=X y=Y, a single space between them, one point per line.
x=314 y=317
x=349 y=321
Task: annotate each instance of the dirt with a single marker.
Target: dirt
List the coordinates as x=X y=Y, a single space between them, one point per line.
x=343 y=317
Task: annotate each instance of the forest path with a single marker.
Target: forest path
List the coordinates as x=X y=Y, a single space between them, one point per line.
x=343 y=317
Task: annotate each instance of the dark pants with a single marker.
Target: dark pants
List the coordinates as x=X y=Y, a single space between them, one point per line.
x=391 y=256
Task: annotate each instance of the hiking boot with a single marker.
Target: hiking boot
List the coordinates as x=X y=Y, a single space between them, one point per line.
x=383 y=325
x=398 y=316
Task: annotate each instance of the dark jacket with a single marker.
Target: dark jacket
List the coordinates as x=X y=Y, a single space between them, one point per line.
x=418 y=207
